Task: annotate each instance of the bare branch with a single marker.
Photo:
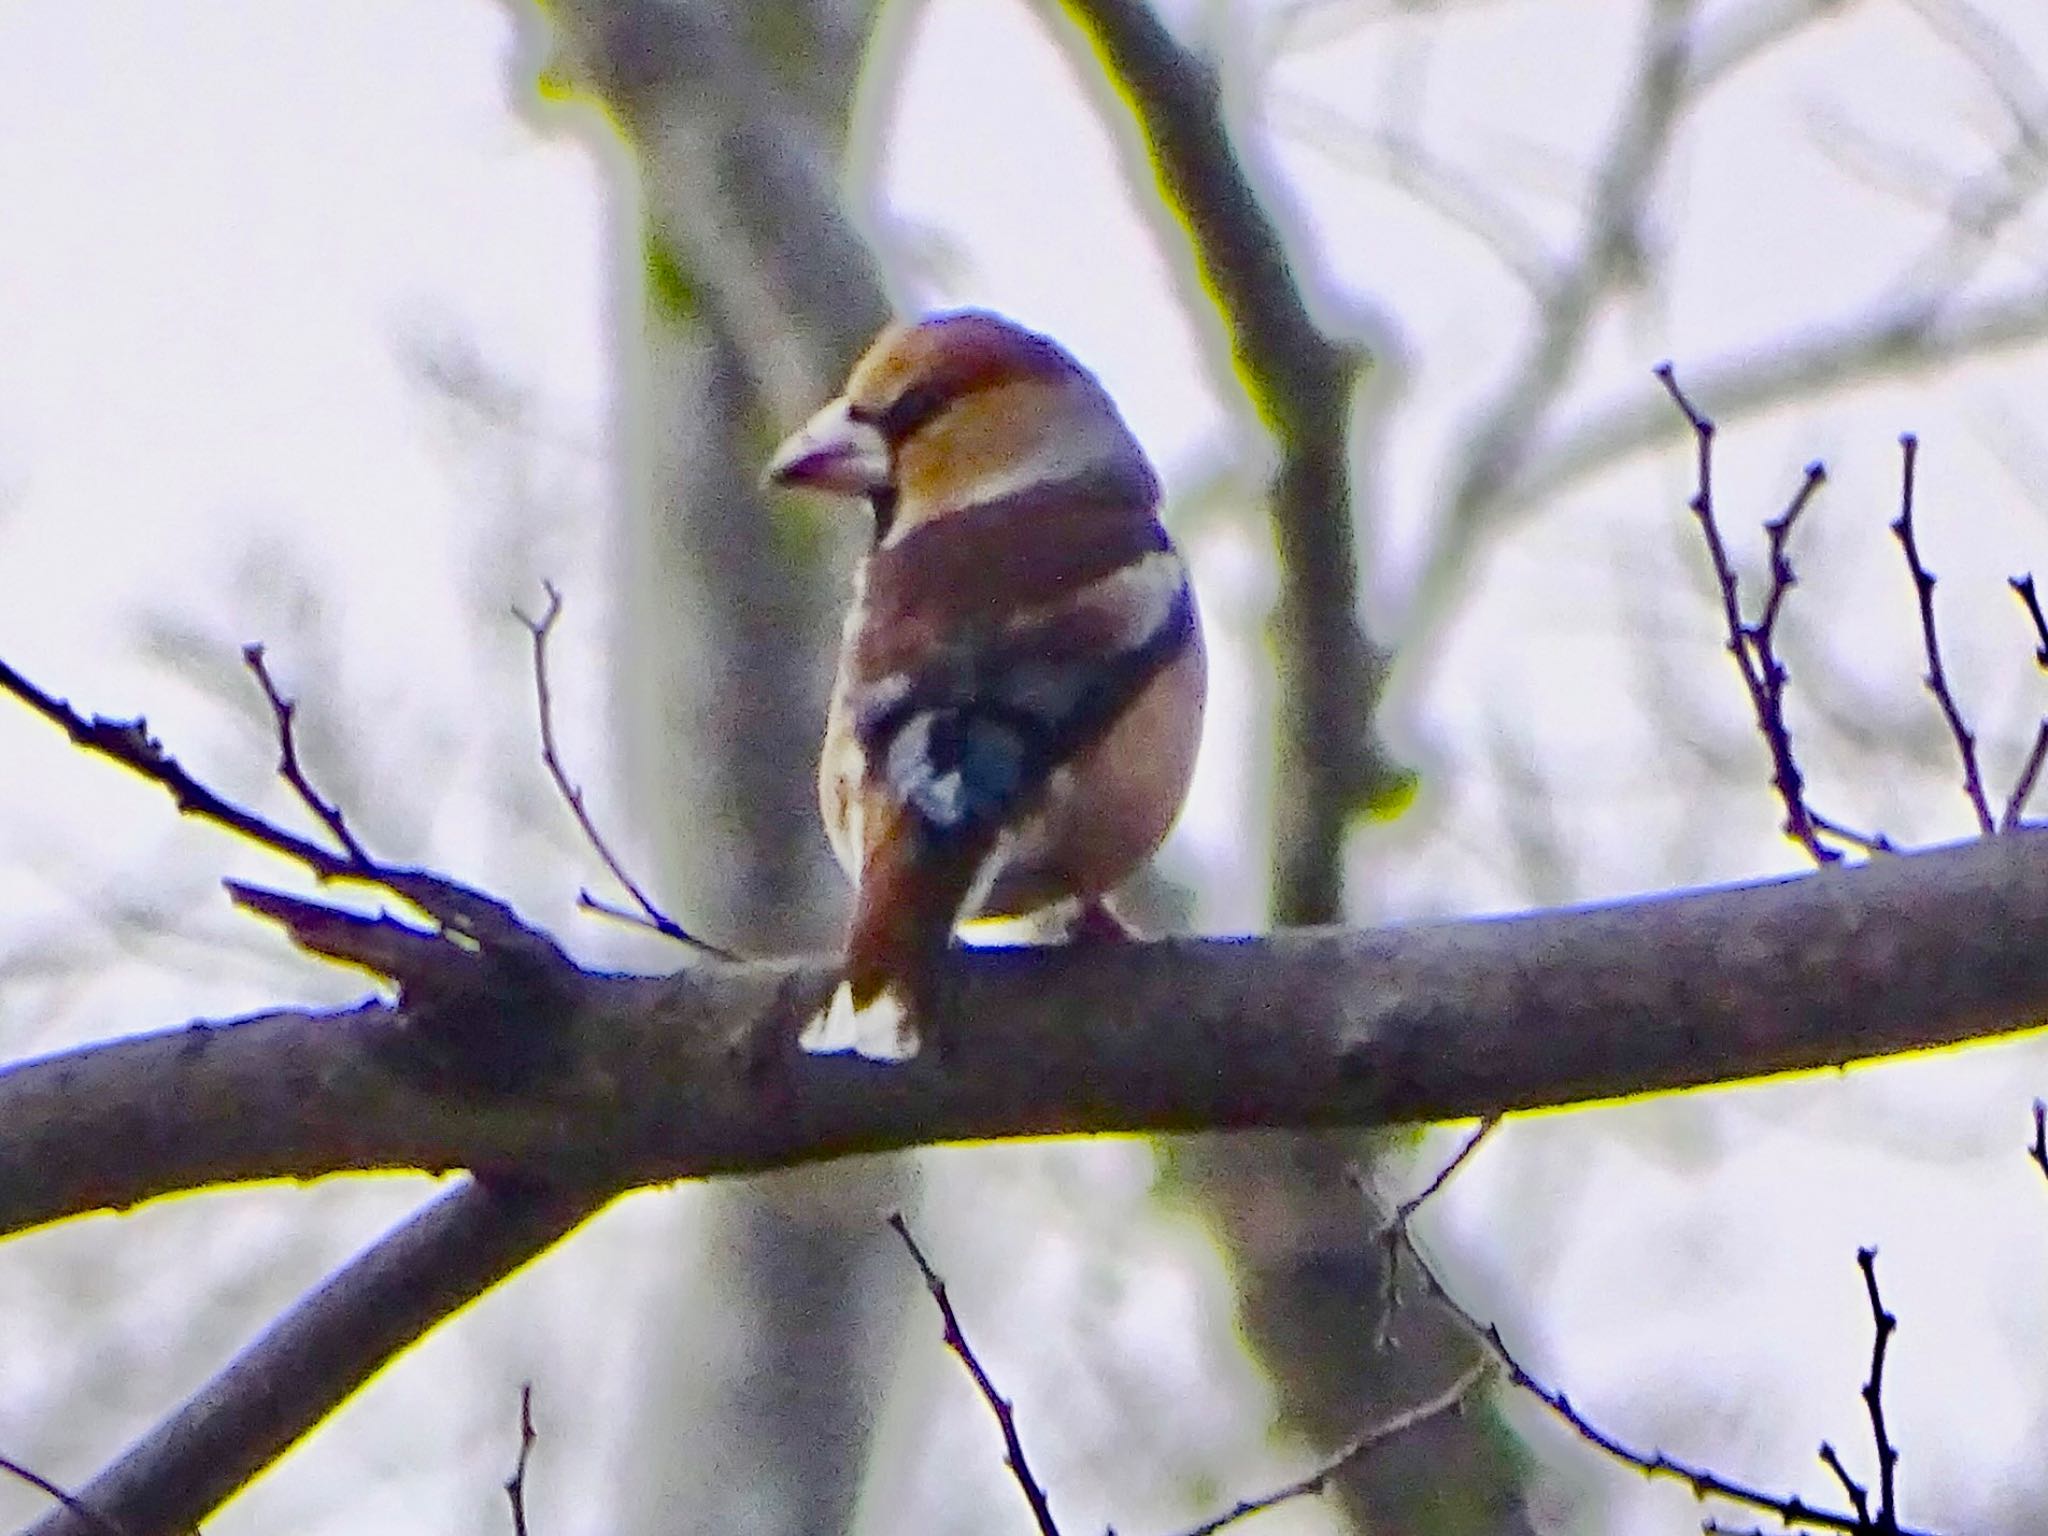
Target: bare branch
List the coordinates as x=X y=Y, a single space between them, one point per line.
x=1301 y=381
x=1883 y=1326
x=1457 y=197
x=93 y=1519
x=1909 y=337
x=1393 y=1233
x=318 y=1353
x=1937 y=675
x=2037 y=755
x=1999 y=59
x=1790 y=1509
x=2029 y=776
x=1405 y=1212
x=572 y=793
x=2024 y=586
x=1754 y=646
x=1466 y=201
x=1857 y=1495
x=1746 y=35
x=129 y=743
x=289 y=767
x=515 y=1485
x=1449 y=1400
x=1495 y=448
x=456 y=907
x=1006 y=1418
x=630 y=1080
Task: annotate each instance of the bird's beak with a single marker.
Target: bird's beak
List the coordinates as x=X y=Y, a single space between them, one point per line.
x=833 y=452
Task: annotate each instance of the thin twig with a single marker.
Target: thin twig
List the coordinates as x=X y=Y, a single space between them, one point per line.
x=129 y=743
x=293 y=772
x=1754 y=646
x=1883 y=1325
x=572 y=794
x=515 y=1485
x=1449 y=1400
x=956 y=1340
x=2029 y=776
x=1868 y=842
x=1790 y=1510
x=2037 y=756
x=63 y=1496
x=1393 y=1233
x=1041 y=1512
x=1405 y=1211
x=476 y=922
x=1766 y=697
x=2024 y=587
x=1858 y=1495
x=598 y=907
x=1937 y=676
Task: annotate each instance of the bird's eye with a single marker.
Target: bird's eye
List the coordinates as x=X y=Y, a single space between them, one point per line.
x=910 y=410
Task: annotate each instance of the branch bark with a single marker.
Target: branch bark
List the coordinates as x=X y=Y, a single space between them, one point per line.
x=698 y=1074
x=314 y=1357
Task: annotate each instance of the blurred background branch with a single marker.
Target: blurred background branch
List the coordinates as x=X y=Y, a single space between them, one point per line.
x=761 y=1383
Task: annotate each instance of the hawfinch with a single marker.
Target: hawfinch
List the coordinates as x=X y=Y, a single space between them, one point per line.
x=1019 y=694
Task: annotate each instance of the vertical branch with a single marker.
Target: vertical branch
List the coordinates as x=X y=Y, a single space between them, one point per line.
x=750 y=293
x=1754 y=647
x=1000 y=1406
x=515 y=1485
x=1883 y=1325
x=1495 y=449
x=1285 y=1206
x=1301 y=381
x=1937 y=675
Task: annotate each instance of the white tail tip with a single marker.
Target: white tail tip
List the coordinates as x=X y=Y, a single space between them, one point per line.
x=880 y=1030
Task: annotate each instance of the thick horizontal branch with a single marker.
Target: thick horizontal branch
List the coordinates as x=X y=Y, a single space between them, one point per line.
x=641 y=1080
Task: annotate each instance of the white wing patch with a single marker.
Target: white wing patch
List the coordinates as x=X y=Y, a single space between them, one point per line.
x=940 y=797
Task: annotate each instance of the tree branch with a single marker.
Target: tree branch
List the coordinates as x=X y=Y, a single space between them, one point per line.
x=316 y=1355
x=1301 y=382
x=1912 y=336
x=1499 y=441
x=652 y=1079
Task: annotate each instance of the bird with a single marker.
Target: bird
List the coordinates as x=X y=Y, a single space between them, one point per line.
x=1019 y=690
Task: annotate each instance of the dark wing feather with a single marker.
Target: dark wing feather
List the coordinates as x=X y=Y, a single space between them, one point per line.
x=971 y=729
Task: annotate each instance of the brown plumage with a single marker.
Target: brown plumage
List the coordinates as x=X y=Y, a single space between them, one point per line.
x=1020 y=686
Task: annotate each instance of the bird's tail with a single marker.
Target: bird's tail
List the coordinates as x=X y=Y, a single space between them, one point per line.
x=913 y=886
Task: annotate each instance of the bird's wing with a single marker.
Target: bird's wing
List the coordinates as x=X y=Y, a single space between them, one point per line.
x=965 y=707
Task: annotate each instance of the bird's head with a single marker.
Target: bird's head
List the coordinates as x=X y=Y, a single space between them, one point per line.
x=957 y=410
